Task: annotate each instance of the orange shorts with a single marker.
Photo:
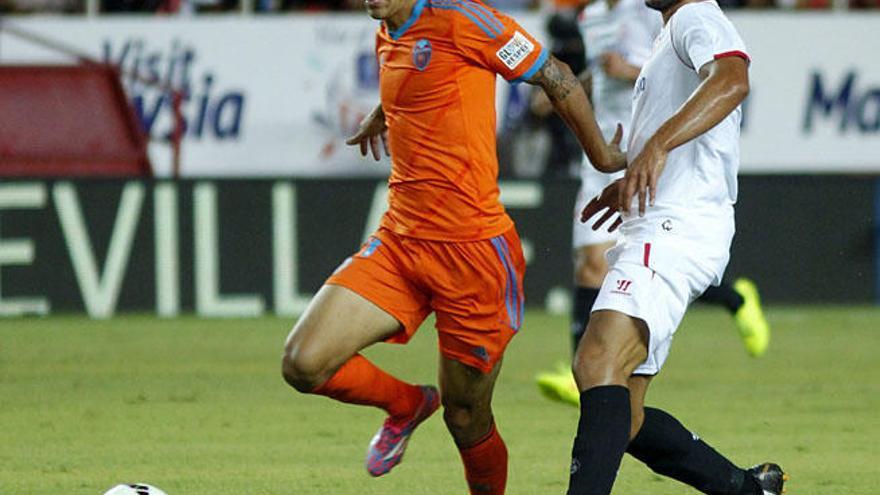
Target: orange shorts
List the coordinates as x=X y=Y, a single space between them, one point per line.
x=474 y=288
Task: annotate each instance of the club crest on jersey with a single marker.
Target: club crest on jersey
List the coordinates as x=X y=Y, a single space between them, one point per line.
x=641 y=84
x=422 y=54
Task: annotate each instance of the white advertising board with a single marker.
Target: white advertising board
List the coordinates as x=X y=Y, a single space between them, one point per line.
x=276 y=96
x=815 y=100
x=266 y=96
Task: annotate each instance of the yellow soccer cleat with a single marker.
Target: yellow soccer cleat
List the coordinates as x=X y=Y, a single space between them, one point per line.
x=750 y=321
x=559 y=385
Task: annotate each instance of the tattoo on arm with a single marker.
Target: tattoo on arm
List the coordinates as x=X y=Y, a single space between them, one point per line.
x=556 y=79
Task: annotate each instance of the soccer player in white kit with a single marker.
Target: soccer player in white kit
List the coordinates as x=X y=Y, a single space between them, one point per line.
x=619 y=35
x=676 y=223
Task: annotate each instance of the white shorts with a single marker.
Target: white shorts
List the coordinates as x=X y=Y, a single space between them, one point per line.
x=656 y=283
x=592 y=183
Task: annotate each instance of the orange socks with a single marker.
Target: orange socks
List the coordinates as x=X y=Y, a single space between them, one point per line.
x=485 y=464
x=359 y=381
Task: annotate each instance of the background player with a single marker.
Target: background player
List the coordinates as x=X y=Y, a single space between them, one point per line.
x=445 y=244
x=675 y=242
x=619 y=36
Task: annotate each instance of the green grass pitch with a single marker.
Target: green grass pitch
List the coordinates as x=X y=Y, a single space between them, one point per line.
x=198 y=407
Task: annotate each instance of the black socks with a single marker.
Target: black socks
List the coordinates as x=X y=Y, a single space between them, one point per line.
x=584 y=297
x=723 y=295
x=602 y=437
x=663 y=444
x=668 y=448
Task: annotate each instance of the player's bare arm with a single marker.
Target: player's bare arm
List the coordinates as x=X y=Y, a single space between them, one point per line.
x=372 y=130
x=586 y=79
x=570 y=101
x=725 y=85
x=540 y=102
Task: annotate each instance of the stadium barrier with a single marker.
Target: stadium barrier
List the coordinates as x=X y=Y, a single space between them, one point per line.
x=40 y=137
x=223 y=248
x=275 y=96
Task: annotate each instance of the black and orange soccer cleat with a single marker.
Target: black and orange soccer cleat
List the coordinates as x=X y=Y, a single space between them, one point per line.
x=770 y=478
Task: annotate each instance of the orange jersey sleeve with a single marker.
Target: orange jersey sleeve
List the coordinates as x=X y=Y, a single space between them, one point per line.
x=495 y=41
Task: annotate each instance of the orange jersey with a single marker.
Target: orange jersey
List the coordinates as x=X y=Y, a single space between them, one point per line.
x=437 y=83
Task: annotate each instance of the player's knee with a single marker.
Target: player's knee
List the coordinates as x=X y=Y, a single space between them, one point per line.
x=612 y=348
x=303 y=370
x=592 y=354
x=596 y=363
x=457 y=416
x=466 y=422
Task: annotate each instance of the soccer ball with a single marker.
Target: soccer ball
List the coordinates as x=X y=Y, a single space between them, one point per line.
x=134 y=489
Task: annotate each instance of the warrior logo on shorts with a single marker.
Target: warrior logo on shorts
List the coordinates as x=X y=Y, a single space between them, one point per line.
x=422 y=53
x=623 y=287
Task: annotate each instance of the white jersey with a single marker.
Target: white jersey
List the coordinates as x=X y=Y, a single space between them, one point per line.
x=629 y=28
x=697 y=189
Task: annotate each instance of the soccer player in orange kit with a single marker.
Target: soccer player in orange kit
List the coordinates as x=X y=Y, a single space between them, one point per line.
x=445 y=245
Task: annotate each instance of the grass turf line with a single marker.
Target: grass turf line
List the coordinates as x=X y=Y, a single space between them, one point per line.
x=198 y=406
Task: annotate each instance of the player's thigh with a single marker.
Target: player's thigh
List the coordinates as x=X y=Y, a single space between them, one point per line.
x=369 y=298
x=590 y=265
x=337 y=324
x=612 y=347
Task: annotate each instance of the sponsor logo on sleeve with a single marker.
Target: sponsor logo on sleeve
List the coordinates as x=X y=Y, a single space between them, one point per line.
x=515 y=51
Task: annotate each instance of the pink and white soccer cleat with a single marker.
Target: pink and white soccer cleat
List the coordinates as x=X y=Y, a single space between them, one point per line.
x=389 y=443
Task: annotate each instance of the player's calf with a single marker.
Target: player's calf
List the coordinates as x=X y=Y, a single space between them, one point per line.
x=467 y=412
x=670 y=449
x=485 y=464
x=481 y=447
x=614 y=345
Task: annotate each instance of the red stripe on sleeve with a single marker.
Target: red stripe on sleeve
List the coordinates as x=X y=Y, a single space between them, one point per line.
x=647 y=258
x=734 y=53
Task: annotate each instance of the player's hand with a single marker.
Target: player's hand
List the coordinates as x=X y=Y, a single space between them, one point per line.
x=605 y=202
x=641 y=178
x=372 y=130
x=618 y=158
x=615 y=66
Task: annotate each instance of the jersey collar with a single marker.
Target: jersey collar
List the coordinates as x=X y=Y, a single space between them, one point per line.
x=416 y=12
